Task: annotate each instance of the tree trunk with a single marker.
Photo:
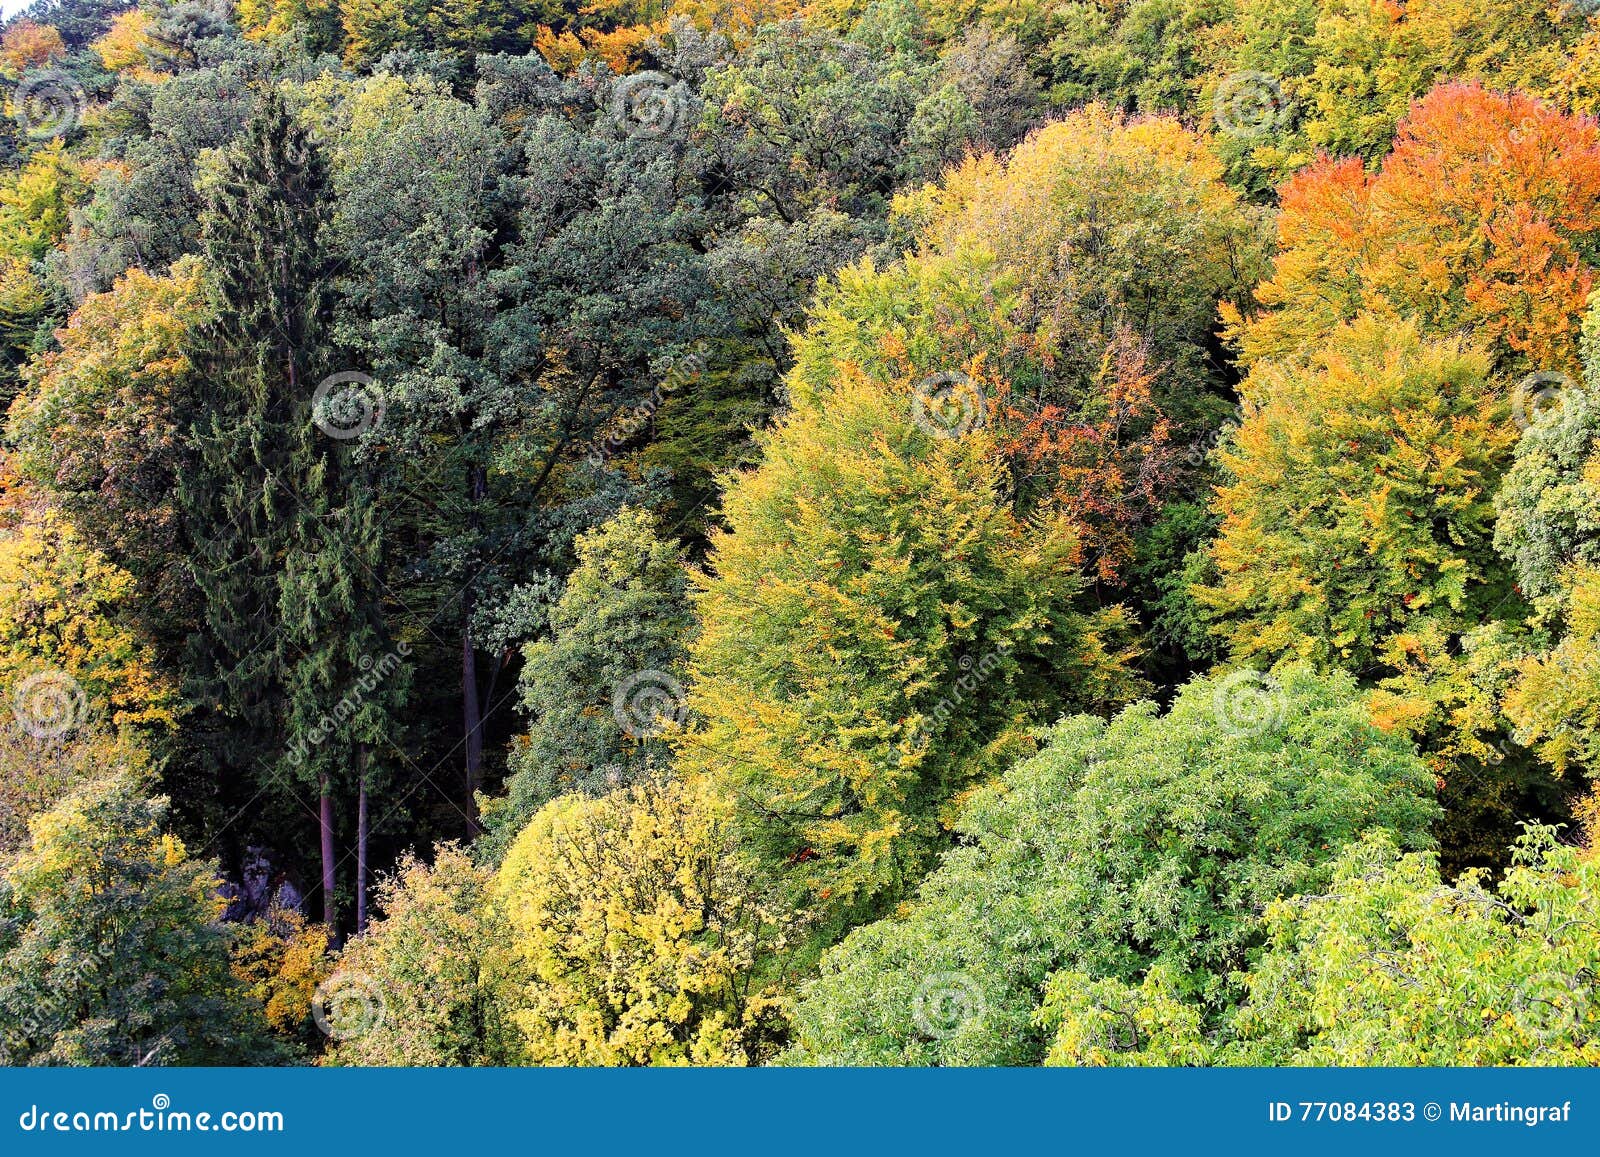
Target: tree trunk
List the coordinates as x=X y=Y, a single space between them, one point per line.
x=326 y=823
x=471 y=710
x=361 y=841
x=472 y=720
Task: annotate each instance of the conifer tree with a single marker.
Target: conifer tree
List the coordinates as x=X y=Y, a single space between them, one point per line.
x=295 y=660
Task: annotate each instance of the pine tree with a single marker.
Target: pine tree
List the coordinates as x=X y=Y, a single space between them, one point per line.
x=285 y=535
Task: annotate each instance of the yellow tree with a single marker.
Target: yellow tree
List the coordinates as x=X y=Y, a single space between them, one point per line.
x=878 y=631
x=638 y=935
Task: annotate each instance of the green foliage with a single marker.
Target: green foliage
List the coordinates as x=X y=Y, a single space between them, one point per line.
x=806 y=117
x=1147 y=846
x=623 y=614
x=111 y=952
x=1549 y=501
x=260 y=355
x=1395 y=967
x=420 y=986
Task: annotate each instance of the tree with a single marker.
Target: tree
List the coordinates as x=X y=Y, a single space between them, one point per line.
x=639 y=934
x=1085 y=271
x=83 y=689
x=112 y=951
x=63 y=615
x=1481 y=219
x=1394 y=967
x=1337 y=76
x=421 y=986
x=1549 y=530
x=1144 y=846
x=1358 y=502
x=1548 y=505
x=283 y=549
x=283 y=960
x=35 y=201
x=27 y=44
x=878 y=629
x=527 y=267
x=617 y=634
x=100 y=427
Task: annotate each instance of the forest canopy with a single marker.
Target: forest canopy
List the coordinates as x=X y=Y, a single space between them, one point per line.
x=909 y=533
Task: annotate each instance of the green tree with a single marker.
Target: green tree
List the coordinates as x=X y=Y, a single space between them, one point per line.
x=280 y=552
x=422 y=985
x=1395 y=967
x=112 y=952
x=520 y=272
x=1548 y=505
x=1147 y=845
x=617 y=633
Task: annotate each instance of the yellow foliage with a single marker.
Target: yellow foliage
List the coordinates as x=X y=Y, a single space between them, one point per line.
x=123 y=47
x=59 y=614
x=638 y=936
x=282 y=959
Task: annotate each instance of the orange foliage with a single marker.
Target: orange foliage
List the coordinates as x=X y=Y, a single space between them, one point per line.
x=1478 y=220
x=26 y=45
x=1107 y=469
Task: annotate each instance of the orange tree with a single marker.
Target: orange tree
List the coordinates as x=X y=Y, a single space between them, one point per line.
x=1485 y=218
